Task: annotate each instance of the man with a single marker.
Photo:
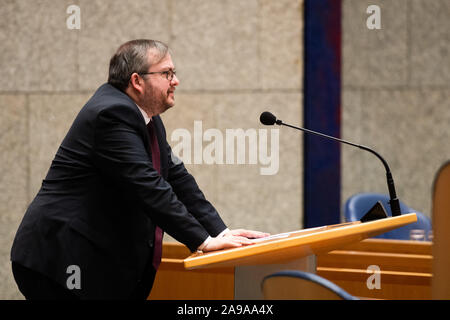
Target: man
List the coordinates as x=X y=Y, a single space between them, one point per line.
x=94 y=230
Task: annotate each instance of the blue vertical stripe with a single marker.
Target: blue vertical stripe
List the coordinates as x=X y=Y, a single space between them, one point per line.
x=322 y=112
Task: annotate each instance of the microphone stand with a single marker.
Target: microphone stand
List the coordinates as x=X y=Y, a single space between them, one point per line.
x=394 y=203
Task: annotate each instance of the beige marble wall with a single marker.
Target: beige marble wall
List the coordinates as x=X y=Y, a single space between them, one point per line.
x=234 y=59
x=396 y=90
x=13 y=179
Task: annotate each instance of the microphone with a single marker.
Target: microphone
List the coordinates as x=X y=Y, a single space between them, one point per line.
x=269 y=119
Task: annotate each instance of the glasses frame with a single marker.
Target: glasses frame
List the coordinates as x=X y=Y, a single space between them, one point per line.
x=169 y=73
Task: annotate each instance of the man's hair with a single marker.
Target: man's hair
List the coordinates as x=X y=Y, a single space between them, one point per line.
x=131 y=57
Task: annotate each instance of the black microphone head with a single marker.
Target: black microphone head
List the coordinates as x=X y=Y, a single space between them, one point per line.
x=267 y=118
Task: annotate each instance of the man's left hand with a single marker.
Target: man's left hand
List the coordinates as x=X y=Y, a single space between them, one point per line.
x=250 y=234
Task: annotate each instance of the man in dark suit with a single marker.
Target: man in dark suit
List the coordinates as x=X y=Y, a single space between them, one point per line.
x=94 y=230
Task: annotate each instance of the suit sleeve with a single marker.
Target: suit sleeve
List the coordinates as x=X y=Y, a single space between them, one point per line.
x=188 y=191
x=121 y=155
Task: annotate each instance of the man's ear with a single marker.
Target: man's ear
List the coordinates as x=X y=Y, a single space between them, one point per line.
x=136 y=82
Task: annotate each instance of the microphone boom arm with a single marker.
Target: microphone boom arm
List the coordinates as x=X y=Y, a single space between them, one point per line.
x=393 y=202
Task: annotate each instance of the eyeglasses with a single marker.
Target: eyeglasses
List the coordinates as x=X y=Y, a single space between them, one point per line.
x=169 y=74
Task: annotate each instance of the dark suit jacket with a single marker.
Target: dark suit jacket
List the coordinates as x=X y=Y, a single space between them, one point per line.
x=101 y=199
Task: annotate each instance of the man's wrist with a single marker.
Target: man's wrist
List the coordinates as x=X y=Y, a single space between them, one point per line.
x=223 y=233
x=205 y=243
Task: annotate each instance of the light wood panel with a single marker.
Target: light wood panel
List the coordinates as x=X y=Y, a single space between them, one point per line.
x=441 y=227
x=385 y=260
x=405 y=268
x=391 y=245
x=394 y=284
x=173 y=282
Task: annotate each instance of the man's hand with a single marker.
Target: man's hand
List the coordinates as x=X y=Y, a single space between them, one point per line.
x=233 y=239
x=250 y=234
x=218 y=243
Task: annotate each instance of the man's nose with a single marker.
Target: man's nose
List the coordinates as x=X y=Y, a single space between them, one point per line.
x=175 y=81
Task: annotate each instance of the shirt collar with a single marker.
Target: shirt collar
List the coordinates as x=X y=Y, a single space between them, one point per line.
x=144 y=114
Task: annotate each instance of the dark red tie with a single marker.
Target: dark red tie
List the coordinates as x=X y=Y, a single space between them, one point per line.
x=157 y=165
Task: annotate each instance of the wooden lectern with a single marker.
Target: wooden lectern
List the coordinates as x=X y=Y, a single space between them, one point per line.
x=237 y=273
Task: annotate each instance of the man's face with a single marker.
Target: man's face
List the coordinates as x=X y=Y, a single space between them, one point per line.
x=159 y=91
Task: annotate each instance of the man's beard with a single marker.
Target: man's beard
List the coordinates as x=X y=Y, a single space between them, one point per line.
x=157 y=102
